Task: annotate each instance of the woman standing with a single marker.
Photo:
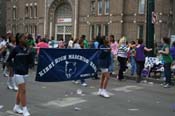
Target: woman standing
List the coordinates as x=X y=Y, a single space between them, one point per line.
x=122 y=57
x=140 y=58
x=167 y=59
x=114 y=49
x=104 y=63
x=22 y=59
x=132 y=57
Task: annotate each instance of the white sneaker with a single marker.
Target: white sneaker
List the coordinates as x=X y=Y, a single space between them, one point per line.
x=105 y=94
x=5 y=74
x=76 y=82
x=99 y=92
x=25 y=112
x=15 y=88
x=17 y=109
x=84 y=84
x=9 y=86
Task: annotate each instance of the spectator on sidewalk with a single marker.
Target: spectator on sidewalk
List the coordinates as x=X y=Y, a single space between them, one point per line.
x=132 y=53
x=42 y=44
x=122 y=57
x=167 y=59
x=140 y=58
x=114 y=49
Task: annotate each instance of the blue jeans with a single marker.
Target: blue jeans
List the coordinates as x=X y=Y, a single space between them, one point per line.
x=133 y=65
x=167 y=71
x=111 y=67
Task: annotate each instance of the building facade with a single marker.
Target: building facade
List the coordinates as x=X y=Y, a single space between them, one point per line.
x=2 y=17
x=66 y=18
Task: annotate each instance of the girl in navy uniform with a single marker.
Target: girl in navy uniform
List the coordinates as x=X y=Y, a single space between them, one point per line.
x=21 y=57
x=104 y=63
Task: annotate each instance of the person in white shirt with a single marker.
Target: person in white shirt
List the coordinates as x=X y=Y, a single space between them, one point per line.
x=77 y=45
x=70 y=44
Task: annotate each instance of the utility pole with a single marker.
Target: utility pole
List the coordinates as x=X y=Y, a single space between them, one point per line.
x=150 y=26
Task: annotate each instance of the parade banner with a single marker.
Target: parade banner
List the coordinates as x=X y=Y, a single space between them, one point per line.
x=56 y=65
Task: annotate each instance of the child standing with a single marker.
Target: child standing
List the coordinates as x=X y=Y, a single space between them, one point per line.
x=22 y=58
x=104 y=63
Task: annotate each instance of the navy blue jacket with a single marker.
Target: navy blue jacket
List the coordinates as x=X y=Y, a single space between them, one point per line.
x=105 y=57
x=21 y=58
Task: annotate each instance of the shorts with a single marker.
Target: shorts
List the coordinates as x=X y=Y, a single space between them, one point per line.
x=20 y=79
x=104 y=70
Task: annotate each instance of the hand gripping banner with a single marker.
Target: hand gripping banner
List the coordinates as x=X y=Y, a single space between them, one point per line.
x=56 y=65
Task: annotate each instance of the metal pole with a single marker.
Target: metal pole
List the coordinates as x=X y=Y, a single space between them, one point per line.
x=150 y=26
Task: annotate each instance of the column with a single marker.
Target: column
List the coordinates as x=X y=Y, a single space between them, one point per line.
x=76 y=19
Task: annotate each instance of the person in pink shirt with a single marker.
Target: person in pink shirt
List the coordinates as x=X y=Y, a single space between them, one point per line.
x=114 y=49
x=42 y=44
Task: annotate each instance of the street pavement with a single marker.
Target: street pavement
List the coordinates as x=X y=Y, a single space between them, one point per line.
x=67 y=99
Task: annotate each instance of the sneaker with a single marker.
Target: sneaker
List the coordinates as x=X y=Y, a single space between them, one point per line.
x=17 y=109
x=105 y=94
x=76 y=82
x=5 y=74
x=9 y=86
x=25 y=112
x=166 y=86
x=15 y=88
x=84 y=84
x=163 y=84
x=99 y=92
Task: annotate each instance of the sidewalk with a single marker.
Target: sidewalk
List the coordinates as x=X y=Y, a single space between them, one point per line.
x=155 y=79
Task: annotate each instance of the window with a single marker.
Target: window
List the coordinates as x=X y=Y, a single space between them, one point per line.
x=31 y=11
x=14 y=29
x=106 y=29
x=141 y=9
x=140 y=31
x=93 y=7
x=92 y=30
x=26 y=29
x=98 y=29
x=30 y=31
x=35 y=30
x=107 y=7
x=14 y=12
x=27 y=11
x=100 y=5
x=35 y=11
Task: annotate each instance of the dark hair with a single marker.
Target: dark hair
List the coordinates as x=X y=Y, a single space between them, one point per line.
x=140 y=41
x=173 y=44
x=166 y=40
x=112 y=38
x=83 y=36
x=18 y=37
x=133 y=42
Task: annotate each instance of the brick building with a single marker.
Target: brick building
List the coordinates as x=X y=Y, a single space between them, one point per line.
x=65 y=18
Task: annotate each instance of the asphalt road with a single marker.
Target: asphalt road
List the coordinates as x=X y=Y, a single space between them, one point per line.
x=61 y=99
